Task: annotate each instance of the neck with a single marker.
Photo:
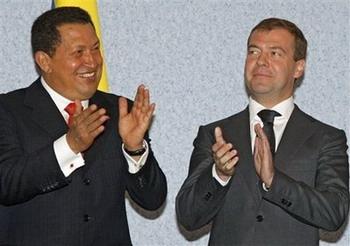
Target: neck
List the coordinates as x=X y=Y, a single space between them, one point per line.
x=269 y=102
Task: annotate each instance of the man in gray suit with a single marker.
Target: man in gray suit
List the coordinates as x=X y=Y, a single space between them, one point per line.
x=275 y=185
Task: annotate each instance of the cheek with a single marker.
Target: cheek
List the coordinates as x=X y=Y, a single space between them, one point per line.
x=249 y=65
x=282 y=68
x=99 y=61
x=72 y=65
x=75 y=65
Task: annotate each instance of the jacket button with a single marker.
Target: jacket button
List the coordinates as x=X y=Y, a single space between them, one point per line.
x=86 y=217
x=141 y=181
x=86 y=181
x=259 y=218
x=207 y=196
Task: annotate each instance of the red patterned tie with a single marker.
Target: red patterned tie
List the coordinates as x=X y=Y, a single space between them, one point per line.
x=70 y=109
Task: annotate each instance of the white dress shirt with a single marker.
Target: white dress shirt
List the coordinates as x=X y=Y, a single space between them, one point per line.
x=285 y=108
x=66 y=158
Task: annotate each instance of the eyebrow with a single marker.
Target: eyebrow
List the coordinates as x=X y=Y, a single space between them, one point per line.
x=253 y=46
x=278 y=48
x=270 y=48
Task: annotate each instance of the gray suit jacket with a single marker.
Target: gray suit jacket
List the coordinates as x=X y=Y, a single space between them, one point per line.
x=43 y=207
x=309 y=189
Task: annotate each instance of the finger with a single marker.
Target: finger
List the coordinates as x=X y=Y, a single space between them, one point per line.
x=228 y=167
x=81 y=117
x=123 y=107
x=260 y=134
x=95 y=116
x=223 y=150
x=97 y=132
x=97 y=123
x=257 y=142
x=139 y=96
x=218 y=135
x=257 y=148
x=150 y=112
x=146 y=98
x=228 y=156
x=78 y=107
x=231 y=163
x=216 y=146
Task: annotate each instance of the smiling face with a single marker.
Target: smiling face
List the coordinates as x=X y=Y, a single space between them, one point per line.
x=270 y=69
x=75 y=68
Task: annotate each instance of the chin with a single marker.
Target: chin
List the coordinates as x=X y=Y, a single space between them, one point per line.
x=261 y=84
x=87 y=94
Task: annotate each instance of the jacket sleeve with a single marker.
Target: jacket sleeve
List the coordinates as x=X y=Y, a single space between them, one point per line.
x=201 y=196
x=325 y=203
x=24 y=175
x=148 y=187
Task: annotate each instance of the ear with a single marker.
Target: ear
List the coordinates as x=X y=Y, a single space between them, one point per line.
x=299 y=69
x=43 y=60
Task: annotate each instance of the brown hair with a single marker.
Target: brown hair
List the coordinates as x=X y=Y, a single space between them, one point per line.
x=45 y=35
x=275 y=23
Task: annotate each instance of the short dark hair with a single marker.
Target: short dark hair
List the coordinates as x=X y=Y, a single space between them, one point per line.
x=275 y=23
x=45 y=35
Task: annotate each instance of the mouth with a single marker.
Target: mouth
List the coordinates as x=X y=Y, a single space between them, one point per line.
x=262 y=75
x=87 y=75
x=90 y=76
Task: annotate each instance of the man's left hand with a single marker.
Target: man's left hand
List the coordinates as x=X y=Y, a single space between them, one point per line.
x=134 y=124
x=262 y=157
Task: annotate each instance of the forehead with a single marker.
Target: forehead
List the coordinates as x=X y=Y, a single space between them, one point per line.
x=275 y=37
x=76 y=31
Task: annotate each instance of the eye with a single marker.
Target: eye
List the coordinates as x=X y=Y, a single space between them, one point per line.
x=276 y=53
x=253 y=51
x=78 y=52
x=95 y=48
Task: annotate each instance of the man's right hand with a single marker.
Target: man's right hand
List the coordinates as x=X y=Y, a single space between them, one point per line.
x=225 y=156
x=85 y=127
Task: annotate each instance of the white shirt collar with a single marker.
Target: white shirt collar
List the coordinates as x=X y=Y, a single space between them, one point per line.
x=285 y=108
x=60 y=101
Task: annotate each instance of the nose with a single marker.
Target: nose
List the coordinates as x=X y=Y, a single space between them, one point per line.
x=91 y=59
x=263 y=59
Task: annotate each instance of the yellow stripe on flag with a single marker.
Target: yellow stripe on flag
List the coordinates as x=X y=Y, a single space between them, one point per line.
x=91 y=7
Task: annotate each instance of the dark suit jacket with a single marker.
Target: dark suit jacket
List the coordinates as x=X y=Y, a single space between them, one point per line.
x=43 y=207
x=309 y=189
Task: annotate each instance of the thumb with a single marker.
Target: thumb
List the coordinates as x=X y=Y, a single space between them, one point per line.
x=260 y=132
x=78 y=107
x=218 y=135
x=123 y=107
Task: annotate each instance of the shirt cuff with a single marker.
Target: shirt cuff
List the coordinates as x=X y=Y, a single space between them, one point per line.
x=216 y=176
x=135 y=166
x=264 y=187
x=66 y=158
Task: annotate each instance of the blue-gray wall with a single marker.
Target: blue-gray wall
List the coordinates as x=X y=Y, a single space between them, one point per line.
x=191 y=55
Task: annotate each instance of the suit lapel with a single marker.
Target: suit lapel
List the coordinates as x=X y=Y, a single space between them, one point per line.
x=299 y=128
x=44 y=111
x=98 y=148
x=239 y=133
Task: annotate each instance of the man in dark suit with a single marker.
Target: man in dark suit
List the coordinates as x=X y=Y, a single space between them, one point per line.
x=271 y=186
x=64 y=170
